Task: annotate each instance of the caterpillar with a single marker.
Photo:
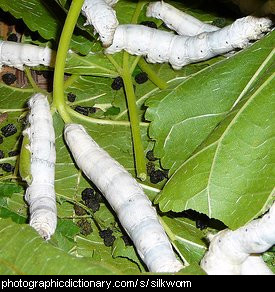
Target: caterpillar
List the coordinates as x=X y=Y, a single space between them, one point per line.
x=133 y=208
x=233 y=252
x=182 y=23
x=160 y=46
x=102 y=17
x=39 y=147
x=111 y=2
x=17 y=55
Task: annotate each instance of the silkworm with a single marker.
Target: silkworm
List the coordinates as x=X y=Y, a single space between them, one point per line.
x=17 y=55
x=102 y=17
x=182 y=23
x=160 y=46
x=126 y=197
x=229 y=250
x=111 y=2
x=40 y=194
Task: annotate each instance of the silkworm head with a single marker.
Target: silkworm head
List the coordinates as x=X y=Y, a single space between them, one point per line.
x=118 y=41
x=153 y=9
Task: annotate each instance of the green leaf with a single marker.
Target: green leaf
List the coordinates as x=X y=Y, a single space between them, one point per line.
x=8 y=188
x=25 y=161
x=187 y=239
x=95 y=64
x=92 y=91
x=184 y=115
x=24 y=252
x=122 y=251
x=230 y=177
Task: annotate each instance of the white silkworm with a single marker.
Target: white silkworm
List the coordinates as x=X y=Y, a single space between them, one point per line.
x=231 y=252
x=17 y=55
x=102 y=17
x=40 y=194
x=160 y=46
x=255 y=265
x=111 y=2
x=182 y=23
x=133 y=208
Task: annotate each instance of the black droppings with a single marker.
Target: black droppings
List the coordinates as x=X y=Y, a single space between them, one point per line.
x=141 y=77
x=93 y=204
x=107 y=236
x=117 y=83
x=87 y=194
x=82 y=110
x=48 y=74
x=127 y=240
x=105 y=233
x=165 y=173
x=8 y=130
x=156 y=176
x=79 y=211
x=13 y=153
x=150 y=156
x=91 y=199
x=71 y=97
x=7 y=167
x=99 y=197
x=91 y=110
x=9 y=78
x=150 y=166
x=85 y=227
x=12 y=37
x=219 y=22
x=1 y=139
x=149 y=24
x=2 y=154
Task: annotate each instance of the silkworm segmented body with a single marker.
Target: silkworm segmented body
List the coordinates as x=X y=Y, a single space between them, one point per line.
x=160 y=46
x=233 y=252
x=102 y=17
x=17 y=55
x=182 y=23
x=40 y=194
x=133 y=208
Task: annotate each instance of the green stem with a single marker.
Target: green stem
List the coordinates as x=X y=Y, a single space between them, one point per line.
x=101 y=121
x=138 y=9
x=140 y=162
x=63 y=47
x=32 y=82
x=151 y=74
x=134 y=119
x=114 y=63
x=70 y=81
x=134 y=64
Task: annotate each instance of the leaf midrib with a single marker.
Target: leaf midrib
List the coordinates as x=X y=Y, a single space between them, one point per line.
x=219 y=141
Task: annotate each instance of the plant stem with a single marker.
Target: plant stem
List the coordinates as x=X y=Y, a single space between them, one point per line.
x=140 y=162
x=32 y=82
x=134 y=119
x=63 y=47
x=134 y=64
x=101 y=121
x=139 y=7
x=114 y=63
x=161 y=84
x=70 y=81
